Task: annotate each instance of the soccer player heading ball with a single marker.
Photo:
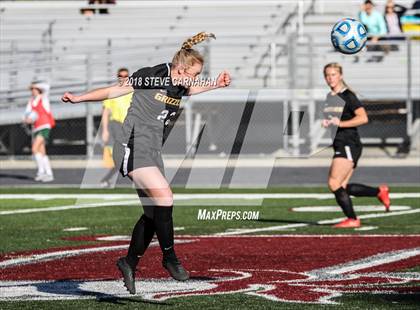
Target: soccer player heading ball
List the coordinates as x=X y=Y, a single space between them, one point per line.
x=347 y=146
x=157 y=94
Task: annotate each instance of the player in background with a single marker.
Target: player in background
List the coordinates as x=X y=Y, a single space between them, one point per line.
x=157 y=94
x=113 y=115
x=347 y=147
x=38 y=114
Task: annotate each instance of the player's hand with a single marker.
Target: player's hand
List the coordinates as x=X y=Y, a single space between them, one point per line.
x=223 y=80
x=325 y=123
x=105 y=136
x=335 y=121
x=69 y=97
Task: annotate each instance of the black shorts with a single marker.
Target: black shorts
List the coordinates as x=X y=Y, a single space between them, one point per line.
x=351 y=151
x=129 y=157
x=141 y=146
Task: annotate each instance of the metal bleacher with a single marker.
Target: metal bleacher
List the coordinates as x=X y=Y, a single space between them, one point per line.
x=280 y=44
x=52 y=40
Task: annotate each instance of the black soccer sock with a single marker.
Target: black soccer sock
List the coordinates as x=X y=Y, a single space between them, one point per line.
x=140 y=239
x=360 y=190
x=165 y=230
x=344 y=201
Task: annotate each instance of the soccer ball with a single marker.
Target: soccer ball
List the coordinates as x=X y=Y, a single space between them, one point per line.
x=32 y=115
x=348 y=36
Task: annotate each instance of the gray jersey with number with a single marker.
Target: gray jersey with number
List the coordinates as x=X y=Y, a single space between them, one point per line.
x=154 y=105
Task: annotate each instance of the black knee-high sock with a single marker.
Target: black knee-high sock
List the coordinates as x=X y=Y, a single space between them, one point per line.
x=360 y=190
x=344 y=201
x=140 y=239
x=165 y=230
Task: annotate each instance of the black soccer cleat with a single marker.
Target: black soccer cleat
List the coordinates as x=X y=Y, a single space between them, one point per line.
x=128 y=274
x=175 y=269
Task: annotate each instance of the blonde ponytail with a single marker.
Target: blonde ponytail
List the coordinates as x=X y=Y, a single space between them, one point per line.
x=198 y=38
x=187 y=56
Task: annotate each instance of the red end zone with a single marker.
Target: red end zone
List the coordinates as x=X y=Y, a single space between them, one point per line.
x=282 y=268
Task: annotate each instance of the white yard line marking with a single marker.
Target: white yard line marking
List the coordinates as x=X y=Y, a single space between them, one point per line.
x=70 y=207
x=56 y=255
x=75 y=229
x=37 y=258
x=375 y=215
x=192 y=196
x=360 y=208
x=331 y=221
x=365 y=228
x=131 y=199
x=367 y=262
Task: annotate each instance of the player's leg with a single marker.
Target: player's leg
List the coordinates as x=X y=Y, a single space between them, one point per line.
x=145 y=227
x=361 y=190
x=347 y=180
x=143 y=231
x=46 y=161
x=340 y=171
x=152 y=182
x=38 y=156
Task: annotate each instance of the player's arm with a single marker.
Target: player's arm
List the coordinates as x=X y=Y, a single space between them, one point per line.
x=99 y=94
x=28 y=111
x=223 y=80
x=359 y=119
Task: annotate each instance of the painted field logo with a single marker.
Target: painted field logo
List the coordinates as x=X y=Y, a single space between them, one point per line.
x=308 y=269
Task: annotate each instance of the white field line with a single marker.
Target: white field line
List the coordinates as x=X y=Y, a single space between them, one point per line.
x=132 y=199
x=57 y=254
x=37 y=258
x=359 y=208
x=192 y=196
x=367 y=262
x=366 y=228
x=331 y=221
x=71 y=207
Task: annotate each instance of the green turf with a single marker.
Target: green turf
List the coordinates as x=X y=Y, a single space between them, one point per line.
x=46 y=228
x=15 y=204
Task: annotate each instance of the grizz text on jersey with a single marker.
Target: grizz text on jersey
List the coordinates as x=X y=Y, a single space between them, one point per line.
x=167 y=100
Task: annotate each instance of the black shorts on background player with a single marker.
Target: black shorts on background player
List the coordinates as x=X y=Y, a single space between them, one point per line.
x=351 y=151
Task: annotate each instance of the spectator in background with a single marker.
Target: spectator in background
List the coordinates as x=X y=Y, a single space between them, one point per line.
x=113 y=115
x=89 y=11
x=393 y=14
x=38 y=114
x=375 y=26
x=373 y=20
